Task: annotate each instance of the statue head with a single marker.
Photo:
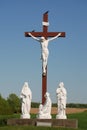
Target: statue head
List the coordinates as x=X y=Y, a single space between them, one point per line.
x=26 y=84
x=42 y=39
x=46 y=95
x=61 y=84
x=26 y=90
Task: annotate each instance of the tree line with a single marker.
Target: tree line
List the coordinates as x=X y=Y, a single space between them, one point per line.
x=12 y=105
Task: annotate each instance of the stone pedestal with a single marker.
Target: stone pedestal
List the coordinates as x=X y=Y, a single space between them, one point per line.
x=67 y=123
x=61 y=117
x=43 y=116
x=25 y=116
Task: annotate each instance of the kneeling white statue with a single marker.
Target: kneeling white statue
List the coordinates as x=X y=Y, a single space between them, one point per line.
x=45 y=110
x=61 y=101
x=26 y=96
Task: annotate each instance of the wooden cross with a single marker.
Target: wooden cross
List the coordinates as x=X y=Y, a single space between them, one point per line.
x=45 y=34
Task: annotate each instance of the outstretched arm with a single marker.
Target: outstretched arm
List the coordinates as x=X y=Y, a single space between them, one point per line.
x=33 y=37
x=55 y=37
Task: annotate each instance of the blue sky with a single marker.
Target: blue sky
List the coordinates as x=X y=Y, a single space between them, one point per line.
x=20 y=56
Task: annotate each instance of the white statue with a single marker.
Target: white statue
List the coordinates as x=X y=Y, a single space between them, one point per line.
x=26 y=96
x=44 y=49
x=61 y=101
x=45 y=110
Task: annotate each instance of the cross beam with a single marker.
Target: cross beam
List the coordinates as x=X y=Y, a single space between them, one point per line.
x=45 y=34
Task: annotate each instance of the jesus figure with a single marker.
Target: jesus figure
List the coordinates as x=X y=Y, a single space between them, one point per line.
x=44 y=49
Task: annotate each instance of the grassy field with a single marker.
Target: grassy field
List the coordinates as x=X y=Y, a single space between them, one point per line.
x=81 y=117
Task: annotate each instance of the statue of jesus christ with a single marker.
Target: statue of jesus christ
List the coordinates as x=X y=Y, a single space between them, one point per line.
x=44 y=49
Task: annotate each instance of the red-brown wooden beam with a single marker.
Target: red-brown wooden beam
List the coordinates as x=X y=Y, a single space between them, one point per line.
x=48 y=34
x=45 y=28
x=44 y=86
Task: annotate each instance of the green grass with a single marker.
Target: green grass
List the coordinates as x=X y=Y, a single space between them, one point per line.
x=34 y=128
x=9 y=116
x=30 y=128
x=81 y=117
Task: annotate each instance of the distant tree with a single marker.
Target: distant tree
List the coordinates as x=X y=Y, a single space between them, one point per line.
x=76 y=105
x=5 y=109
x=14 y=102
x=35 y=104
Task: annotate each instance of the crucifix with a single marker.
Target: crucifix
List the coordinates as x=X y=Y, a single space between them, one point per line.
x=44 y=44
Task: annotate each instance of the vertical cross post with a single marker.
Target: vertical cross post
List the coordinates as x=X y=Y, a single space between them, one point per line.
x=44 y=78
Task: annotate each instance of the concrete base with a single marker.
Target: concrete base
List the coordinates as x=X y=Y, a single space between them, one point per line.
x=25 y=116
x=38 y=123
x=61 y=117
x=67 y=123
x=44 y=116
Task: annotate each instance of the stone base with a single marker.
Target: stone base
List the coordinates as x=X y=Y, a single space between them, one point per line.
x=67 y=123
x=44 y=116
x=38 y=123
x=61 y=117
x=25 y=116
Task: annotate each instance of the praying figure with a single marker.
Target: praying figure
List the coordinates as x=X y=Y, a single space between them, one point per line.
x=26 y=96
x=45 y=109
x=44 y=49
x=61 y=101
